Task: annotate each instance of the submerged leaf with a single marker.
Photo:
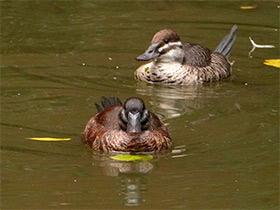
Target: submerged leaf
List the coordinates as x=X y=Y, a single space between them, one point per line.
x=125 y=157
x=273 y=62
x=49 y=139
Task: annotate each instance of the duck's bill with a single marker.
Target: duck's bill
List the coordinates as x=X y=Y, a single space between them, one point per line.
x=134 y=124
x=150 y=53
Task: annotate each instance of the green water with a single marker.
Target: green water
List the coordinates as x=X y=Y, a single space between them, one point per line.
x=59 y=57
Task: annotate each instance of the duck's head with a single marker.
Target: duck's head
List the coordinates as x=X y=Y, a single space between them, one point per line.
x=134 y=117
x=165 y=46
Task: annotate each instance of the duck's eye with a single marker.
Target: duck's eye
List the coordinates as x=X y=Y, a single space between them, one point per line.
x=165 y=41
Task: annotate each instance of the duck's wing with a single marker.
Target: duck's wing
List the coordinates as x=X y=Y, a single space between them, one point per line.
x=197 y=55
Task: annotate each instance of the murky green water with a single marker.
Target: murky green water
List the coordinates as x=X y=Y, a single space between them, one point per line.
x=59 y=57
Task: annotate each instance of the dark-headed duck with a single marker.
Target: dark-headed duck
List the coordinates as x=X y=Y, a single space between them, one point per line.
x=172 y=62
x=126 y=128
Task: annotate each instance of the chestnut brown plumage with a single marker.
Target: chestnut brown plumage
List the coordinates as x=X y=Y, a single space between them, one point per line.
x=126 y=128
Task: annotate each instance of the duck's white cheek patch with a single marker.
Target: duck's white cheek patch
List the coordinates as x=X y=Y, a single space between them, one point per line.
x=161 y=49
x=169 y=45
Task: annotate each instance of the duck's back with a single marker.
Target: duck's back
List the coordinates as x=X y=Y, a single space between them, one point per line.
x=218 y=69
x=207 y=65
x=196 y=55
x=108 y=118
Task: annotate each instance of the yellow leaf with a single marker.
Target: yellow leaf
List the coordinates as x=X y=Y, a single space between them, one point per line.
x=273 y=62
x=249 y=7
x=49 y=139
x=124 y=157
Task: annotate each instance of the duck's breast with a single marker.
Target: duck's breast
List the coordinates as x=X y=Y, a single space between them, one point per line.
x=103 y=135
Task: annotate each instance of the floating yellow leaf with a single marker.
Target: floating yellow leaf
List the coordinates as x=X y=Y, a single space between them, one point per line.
x=273 y=62
x=49 y=139
x=248 y=7
x=125 y=157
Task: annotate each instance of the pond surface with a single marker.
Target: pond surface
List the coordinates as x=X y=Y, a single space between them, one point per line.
x=59 y=57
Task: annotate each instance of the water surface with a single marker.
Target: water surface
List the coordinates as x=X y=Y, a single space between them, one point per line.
x=58 y=58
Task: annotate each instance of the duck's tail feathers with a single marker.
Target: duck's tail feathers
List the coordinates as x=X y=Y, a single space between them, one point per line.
x=226 y=44
x=108 y=102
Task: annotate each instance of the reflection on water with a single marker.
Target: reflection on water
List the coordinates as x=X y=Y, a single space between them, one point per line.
x=114 y=168
x=173 y=101
x=132 y=177
x=59 y=58
x=132 y=188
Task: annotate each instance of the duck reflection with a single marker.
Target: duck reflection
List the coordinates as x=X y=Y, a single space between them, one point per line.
x=114 y=168
x=133 y=171
x=132 y=189
x=171 y=102
x=174 y=101
x=132 y=177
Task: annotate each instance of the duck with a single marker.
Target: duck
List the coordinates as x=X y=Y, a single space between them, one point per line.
x=172 y=62
x=128 y=128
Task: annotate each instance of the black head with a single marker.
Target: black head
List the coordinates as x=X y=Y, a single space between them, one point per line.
x=134 y=117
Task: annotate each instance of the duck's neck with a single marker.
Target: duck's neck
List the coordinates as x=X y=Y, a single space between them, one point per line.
x=173 y=55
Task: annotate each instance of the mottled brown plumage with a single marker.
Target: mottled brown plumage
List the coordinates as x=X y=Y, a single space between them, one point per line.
x=109 y=131
x=175 y=63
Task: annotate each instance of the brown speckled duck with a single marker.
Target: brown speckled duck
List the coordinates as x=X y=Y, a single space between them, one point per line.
x=172 y=62
x=126 y=128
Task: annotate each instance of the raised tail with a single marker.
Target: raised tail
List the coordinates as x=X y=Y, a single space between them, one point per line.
x=226 y=44
x=107 y=102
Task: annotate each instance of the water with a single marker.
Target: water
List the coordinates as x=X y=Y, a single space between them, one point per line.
x=59 y=58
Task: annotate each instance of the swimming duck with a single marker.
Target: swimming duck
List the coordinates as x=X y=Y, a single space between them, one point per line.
x=172 y=62
x=126 y=128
